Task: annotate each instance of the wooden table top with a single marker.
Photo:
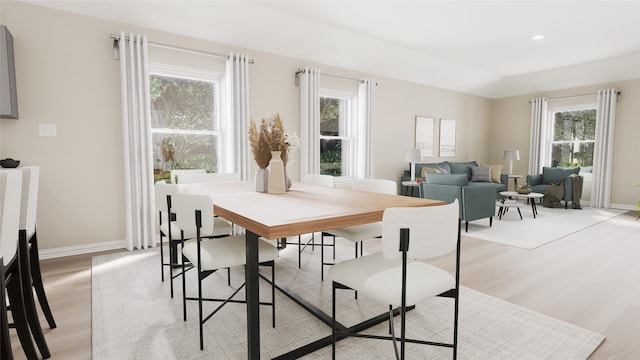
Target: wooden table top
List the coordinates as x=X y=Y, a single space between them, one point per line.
x=304 y=209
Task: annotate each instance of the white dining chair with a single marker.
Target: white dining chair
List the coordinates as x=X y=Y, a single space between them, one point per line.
x=28 y=212
x=178 y=174
x=193 y=216
x=204 y=177
x=397 y=278
x=167 y=227
x=359 y=233
x=10 y=192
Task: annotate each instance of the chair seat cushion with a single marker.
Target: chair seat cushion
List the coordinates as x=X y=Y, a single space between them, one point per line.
x=381 y=279
x=226 y=252
x=358 y=232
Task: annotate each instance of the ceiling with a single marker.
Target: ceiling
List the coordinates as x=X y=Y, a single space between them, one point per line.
x=478 y=47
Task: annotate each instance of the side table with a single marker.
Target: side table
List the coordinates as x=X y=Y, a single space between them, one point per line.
x=515 y=180
x=412 y=185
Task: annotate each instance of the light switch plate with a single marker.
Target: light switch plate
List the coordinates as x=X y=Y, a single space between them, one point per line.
x=48 y=130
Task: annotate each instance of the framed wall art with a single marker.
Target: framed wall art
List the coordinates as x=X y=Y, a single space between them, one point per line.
x=447 y=138
x=424 y=135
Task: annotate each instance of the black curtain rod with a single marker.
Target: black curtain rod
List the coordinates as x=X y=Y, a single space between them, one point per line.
x=618 y=93
x=116 y=38
x=302 y=71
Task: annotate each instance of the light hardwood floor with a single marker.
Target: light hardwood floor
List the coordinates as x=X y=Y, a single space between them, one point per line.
x=590 y=279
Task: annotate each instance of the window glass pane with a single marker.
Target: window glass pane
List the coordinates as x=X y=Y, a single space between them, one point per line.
x=330 y=115
x=573 y=139
x=331 y=157
x=185 y=151
x=180 y=103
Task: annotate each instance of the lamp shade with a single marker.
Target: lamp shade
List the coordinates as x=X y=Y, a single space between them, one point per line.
x=413 y=155
x=511 y=155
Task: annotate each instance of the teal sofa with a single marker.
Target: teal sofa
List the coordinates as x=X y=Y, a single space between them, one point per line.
x=448 y=167
x=540 y=182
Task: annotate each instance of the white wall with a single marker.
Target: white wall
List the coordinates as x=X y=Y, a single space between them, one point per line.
x=67 y=76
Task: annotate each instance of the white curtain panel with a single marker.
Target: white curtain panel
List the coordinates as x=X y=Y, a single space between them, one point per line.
x=537 y=142
x=366 y=128
x=309 y=81
x=603 y=149
x=136 y=132
x=237 y=94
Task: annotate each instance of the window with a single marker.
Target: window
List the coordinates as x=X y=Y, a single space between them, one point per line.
x=185 y=127
x=573 y=138
x=337 y=144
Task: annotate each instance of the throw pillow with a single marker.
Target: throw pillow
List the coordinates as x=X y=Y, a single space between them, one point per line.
x=496 y=171
x=481 y=173
x=431 y=170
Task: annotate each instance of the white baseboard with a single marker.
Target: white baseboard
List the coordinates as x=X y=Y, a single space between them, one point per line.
x=624 y=206
x=82 y=249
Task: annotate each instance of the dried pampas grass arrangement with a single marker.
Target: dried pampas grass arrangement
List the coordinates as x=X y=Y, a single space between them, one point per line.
x=269 y=137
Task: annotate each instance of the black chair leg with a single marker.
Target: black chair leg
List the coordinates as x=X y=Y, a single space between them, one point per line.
x=27 y=296
x=5 y=341
x=14 y=291
x=36 y=276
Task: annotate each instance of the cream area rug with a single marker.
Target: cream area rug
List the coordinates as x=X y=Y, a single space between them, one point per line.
x=134 y=317
x=549 y=225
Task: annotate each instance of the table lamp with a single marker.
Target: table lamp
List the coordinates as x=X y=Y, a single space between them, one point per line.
x=412 y=156
x=511 y=155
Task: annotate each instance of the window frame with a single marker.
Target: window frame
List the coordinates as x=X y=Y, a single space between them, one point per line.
x=349 y=125
x=220 y=124
x=548 y=161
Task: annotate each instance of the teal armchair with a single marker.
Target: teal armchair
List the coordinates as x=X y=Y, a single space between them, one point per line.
x=540 y=182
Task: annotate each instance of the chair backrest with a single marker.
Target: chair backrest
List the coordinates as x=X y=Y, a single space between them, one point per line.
x=10 y=196
x=185 y=206
x=184 y=172
x=433 y=230
x=29 y=201
x=320 y=180
x=376 y=185
x=192 y=178
x=161 y=190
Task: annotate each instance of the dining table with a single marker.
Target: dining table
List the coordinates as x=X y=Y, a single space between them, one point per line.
x=303 y=209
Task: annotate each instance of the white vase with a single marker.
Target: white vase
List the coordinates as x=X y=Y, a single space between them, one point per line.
x=277 y=183
x=262 y=180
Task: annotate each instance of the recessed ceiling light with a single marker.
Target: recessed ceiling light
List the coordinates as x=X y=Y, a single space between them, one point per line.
x=537 y=37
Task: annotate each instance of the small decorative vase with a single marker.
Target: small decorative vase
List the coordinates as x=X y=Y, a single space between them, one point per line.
x=276 y=174
x=287 y=179
x=262 y=180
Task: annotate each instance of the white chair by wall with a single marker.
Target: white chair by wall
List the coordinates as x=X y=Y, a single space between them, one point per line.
x=177 y=174
x=396 y=277
x=193 y=216
x=28 y=212
x=204 y=177
x=10 y=198
x=167 y=227
x=357 y=234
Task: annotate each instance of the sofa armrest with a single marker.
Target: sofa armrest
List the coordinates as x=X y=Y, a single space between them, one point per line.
x=479 y=202
x=534 y=179
x=568 y=188
x=504 y=180
x=446 y=193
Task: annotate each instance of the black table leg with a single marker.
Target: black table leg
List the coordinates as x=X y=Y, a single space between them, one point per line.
x=253 y=297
